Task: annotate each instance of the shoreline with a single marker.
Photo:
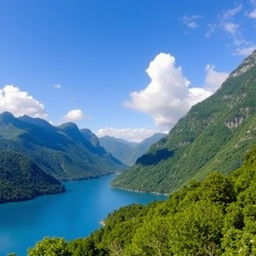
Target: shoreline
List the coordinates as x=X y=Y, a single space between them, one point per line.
x=57 y=192
x=139 y=191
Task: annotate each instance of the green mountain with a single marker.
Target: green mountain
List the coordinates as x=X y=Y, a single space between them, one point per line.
x=91 y=137
x=21 y=179
x=64 y=151
x=216 y=216
x=120 y=149
x=128 y=152
x=213 y=135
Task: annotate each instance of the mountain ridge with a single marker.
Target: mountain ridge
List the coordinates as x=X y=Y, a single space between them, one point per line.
x=60 y=151
x=213 y=135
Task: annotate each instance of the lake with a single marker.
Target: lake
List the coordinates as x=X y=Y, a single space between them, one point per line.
x=73 y=214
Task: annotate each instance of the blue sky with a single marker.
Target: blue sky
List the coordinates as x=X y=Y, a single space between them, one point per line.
x=97 y=52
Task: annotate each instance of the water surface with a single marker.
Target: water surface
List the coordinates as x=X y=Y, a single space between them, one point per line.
x=73 y=214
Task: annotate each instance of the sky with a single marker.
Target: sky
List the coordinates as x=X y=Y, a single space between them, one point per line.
x=124 y=68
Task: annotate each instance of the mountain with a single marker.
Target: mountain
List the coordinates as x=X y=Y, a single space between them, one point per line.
x=21 y=179
x=128 y=152
x=91 y=137
x=213 y=135
x=120 y=149
x=64 y=151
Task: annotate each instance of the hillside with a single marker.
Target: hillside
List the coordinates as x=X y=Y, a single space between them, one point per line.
x=212 y=217
x=213 y=136
x=128 y=152
x=21 y=179
x=63 y=151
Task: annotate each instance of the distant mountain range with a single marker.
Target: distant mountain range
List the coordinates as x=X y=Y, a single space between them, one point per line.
x=128 y=152
x=64 y=152
x=213 y=136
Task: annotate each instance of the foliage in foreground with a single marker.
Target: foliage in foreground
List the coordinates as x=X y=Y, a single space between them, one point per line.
x=214 y=217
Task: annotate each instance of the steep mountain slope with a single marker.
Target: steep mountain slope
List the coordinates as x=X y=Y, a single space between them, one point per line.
x=60 y=151
x=128 y=152
x=91 y=137
x=214 y=135
x=118 y=148
x=21 y=179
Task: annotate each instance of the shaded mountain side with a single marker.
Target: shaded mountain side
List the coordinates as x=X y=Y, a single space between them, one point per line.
x=91 y=137
x=213 y=135
x=21 y=179
x=128 y=152
x=60 y=151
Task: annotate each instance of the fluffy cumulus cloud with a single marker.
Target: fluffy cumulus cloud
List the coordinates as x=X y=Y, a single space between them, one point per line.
x=74 y=115
x=168 y=96
x=20 y=103
x=129 y=134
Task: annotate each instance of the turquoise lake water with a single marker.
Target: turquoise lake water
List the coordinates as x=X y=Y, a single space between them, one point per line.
x=73 y=214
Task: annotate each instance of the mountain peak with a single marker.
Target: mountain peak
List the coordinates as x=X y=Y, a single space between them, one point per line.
x=69 y=126
x=36 y=121
x=6 y=116
x=247 y=64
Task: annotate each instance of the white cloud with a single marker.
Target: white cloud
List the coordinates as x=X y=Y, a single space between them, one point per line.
x=226 y=20
x=230 y=13
x=57 y=86
x=245 y=51
x=168 y=97
x=191 y=21
x=129 y=134
x=20 y=103
x=74 y=115
x=252 y=14
x=214 y=79
x=229 y=23
x=230 y=27
x=165 y=97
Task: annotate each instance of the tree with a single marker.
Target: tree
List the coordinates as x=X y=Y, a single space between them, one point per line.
x=196 y=230
x=152 y=238
x=50 y=247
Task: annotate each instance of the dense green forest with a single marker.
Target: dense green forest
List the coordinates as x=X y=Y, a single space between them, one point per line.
x=216 y=216
x=64 y=152
x=214 y=135
x=21 y=179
